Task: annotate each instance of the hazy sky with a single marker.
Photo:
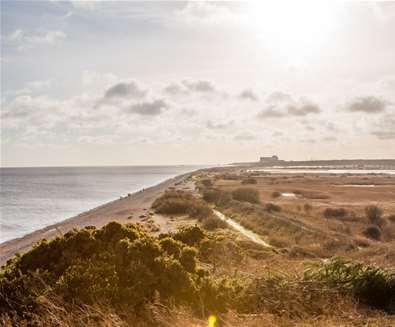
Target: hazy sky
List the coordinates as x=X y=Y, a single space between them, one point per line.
x=126 y=83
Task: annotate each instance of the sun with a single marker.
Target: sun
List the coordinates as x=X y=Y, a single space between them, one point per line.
x=293 y=28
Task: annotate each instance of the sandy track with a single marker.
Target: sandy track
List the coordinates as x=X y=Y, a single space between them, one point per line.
x=119 y=210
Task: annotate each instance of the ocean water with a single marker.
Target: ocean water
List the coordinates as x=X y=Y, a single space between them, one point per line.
x=32 y=198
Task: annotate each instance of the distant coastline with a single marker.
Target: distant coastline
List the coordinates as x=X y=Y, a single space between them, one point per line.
x=339 y=163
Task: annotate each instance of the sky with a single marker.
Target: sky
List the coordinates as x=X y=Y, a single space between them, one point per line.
x=91 y=83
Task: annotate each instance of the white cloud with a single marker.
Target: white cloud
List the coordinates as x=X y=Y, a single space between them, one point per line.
x=207 y=13
x=23 y=40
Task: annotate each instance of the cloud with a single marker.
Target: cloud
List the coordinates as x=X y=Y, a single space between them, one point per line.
x=278 y=97
x=329 y=139
x=207 y=13
x=188 y=87
x=149 y=108
x=303 y=109
x=26 y=106
x=368 y=104
x=385 y=135
x=245 y=137
x=199 y=86
x=285 y=106
x=24 y=40
x=248 y=95
x=125 y=90
x=385 y=128
x=211 y=125
x=271 y=112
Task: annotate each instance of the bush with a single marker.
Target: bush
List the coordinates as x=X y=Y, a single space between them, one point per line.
x=213 y=223
x=371 y=285
x=374 y=214
x=271 y=207
x=276 y=194
x=373 y=232
x=335 y=213
x=391 y=218
x=249 y=180
x=218 y=197
x=181 y=203
x=119 y=265
x=246 y=195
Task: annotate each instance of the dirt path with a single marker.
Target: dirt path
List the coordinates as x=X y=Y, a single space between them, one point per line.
x=244 y=231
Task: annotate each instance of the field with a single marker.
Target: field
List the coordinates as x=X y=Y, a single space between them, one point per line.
x=304 y=200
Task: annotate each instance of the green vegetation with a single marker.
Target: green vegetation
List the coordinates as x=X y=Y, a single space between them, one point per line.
x=130 y=273
x=217 y=197
x=369 y=284
x=246 y=195
x=119 y=265
x=181 y=203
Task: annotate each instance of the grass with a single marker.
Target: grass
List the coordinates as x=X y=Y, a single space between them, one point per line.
x=246 y=195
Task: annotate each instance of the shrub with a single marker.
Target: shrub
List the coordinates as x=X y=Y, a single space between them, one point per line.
x=370 y=284
x=213 y=222
x=374 y=214
x=271 y=207
x=180 y=202
x=334 y=213
x=119 y=265
x=276 y=194
x=218 y=197
x=391 y=218
x=246 y=195
x=373 y=232
x=189 y=235
x=249 y=180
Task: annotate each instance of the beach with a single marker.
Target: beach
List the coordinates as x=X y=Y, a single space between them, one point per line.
x=124 y=209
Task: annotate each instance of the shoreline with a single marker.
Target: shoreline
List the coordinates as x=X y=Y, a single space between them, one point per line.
x=117 y=210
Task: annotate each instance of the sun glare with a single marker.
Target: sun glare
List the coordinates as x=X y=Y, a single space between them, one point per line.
x=293 y=28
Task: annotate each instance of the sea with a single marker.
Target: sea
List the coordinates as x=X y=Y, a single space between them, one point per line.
x=32 y=198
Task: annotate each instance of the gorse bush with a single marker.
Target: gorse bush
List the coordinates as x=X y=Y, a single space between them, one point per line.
x=369 y=284
x=246 y=195
x=117 y=264
x=181 y=203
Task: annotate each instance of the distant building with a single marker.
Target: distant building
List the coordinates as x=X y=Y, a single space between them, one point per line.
x=271 y=159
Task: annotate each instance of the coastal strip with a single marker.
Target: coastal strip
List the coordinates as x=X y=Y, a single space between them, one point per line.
x=119 y=210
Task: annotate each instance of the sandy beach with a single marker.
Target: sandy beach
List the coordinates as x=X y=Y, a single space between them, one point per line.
x=126 y=209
